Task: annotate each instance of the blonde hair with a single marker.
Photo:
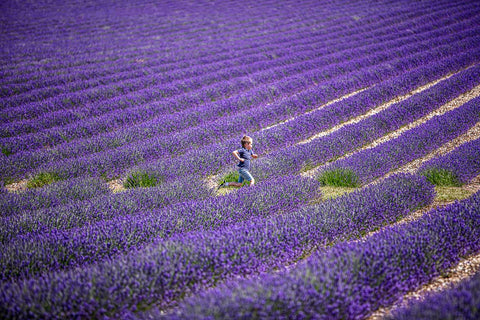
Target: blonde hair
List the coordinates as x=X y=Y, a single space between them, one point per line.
x=245 y=140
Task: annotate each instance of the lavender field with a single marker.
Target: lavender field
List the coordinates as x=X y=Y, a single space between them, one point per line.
x=117 y=124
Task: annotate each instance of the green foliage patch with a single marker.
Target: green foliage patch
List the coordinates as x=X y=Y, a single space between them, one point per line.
x=441 y=177
x=141 y=179
x=43 y=178
x=339 y=178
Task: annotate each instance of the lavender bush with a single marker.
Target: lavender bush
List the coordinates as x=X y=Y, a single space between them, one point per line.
x=104 y=207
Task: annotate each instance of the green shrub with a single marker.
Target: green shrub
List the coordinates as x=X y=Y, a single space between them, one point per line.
x=138 y=179
x=339 y=178
x=441 y=177
x=42 y=179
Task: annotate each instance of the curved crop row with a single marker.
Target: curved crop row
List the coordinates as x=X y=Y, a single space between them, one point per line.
x=265 y=197
x=172 y=268
x=62 y=249
x=74 y=214
x=351 y=280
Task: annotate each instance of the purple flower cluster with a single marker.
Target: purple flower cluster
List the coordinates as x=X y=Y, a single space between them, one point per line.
x=463 y=162
x=352 y=279
x=187 y=262
x=375 y=162
x=65 y=248
x=459 y=302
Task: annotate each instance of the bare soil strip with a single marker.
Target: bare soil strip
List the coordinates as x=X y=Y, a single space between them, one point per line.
x=316 y=109
x=376 y=110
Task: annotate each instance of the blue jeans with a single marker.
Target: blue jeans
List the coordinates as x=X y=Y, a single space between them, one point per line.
x=244 y=174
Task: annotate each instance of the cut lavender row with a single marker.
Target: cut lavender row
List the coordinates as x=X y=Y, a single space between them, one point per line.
x=105 y=207
x=458 y=302
x=184 y=264
x=456 y=167
x=351 y=280
x=126 y=136
x=52 y=195
x=283 y=193
x=353 y=136
x=369 y=164
x=63 y=249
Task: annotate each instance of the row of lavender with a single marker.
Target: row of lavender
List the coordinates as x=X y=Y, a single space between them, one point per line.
x=459 y=302
x=185 y=263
